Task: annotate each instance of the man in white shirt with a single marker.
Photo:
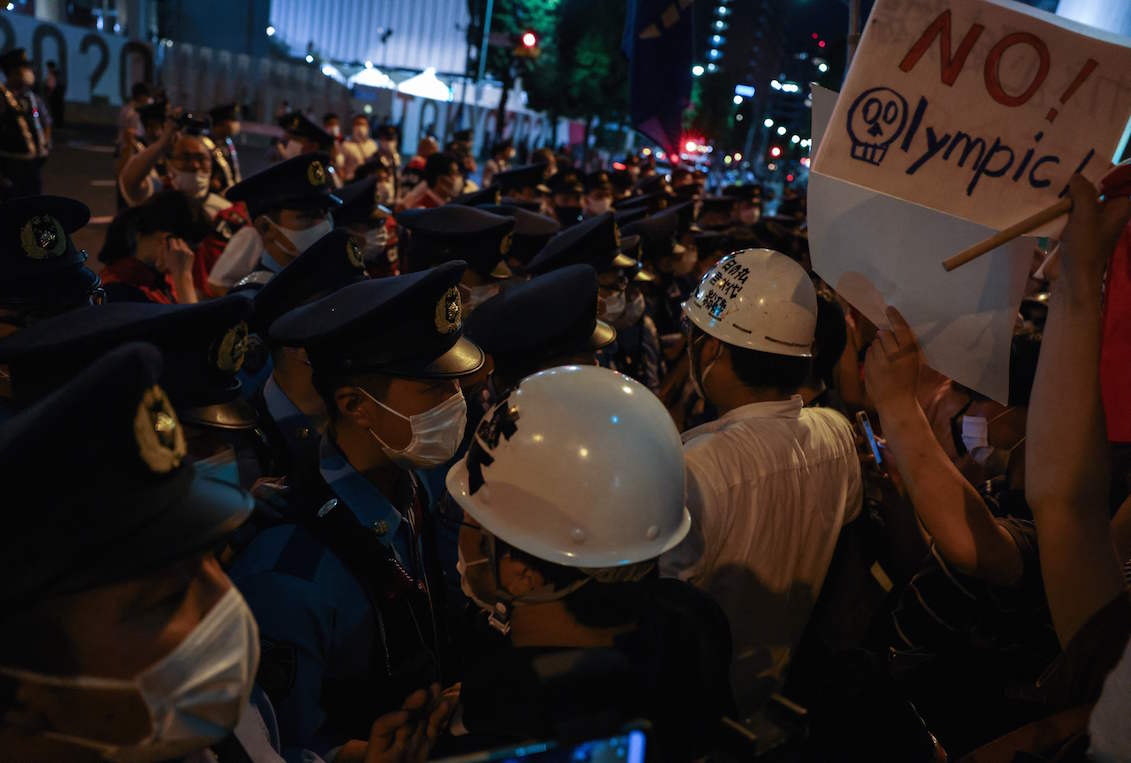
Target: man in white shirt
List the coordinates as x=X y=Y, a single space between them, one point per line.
x=358 y=148
x=770 y=483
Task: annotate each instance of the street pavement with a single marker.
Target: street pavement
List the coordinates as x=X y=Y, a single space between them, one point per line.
x=81 y=166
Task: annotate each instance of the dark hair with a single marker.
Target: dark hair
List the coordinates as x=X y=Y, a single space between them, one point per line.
x=139 y=90
x=328 y=116
x=595 y=604
x=51 y=65
x=831 y=339
x=437 y=166
x=326 y=384
x=168 y=211
x=764 y=370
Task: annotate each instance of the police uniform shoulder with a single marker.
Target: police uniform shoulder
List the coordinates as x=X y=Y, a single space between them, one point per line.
x=130 y=502
x=203 y=346
x=332 y=262
x=299 y=182
x=551 y=314
x=409 y=325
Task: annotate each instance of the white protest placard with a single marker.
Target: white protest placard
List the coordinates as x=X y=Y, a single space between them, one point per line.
x=876 y=250
x=978 y=108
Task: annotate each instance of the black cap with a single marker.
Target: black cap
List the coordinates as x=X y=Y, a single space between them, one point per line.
x=596 y=242
x=658 y=234
x=532 y=231
x=409 y=325
x=688 y=192
x=685 y=217
x=193 y=123
x=598 y=180
x=710 y=241
x=565 y=181
x=457 y=232
x=479 y=198
x=386 y=132
x=529 y=206
x=622 y=181
x=629 y=215
x=332 y=262
x=551 y=314
x=717 y=205
x=297 y=123
x=225 y=112
x=202 y=346
x=97 y=488
x=40 y=268
x=744 y=192
x=653 y=184
x=298 y=183
x=13 y=58
x=653 y=202
x=153 y=112
x=517 y=178
x=359 y=204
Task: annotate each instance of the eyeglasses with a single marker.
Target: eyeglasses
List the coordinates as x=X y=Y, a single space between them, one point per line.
x=196 y=161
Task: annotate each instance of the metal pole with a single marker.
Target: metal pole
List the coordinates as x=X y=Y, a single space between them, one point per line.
x=483 y=45
x=853 y=30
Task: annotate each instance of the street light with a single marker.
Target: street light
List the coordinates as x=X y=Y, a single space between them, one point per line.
x=270 y=31
x=309 y=58
x=712 y=68
x=737 y=156
x=768 y=122
x=795 y=139
x=697 y=70
x=775 y=84
x=781 y=130
x=738 y=117
x=738 y=100
x=529 y=39
x=822 y=67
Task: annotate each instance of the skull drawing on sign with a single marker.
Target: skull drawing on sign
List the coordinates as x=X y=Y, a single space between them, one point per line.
x=875 y=119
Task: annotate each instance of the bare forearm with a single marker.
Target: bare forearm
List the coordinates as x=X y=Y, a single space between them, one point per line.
x=949 y=507
x=140 y=165
x=185 y=289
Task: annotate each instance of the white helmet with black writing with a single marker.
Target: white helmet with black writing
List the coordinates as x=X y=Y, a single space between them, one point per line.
x=758 y=299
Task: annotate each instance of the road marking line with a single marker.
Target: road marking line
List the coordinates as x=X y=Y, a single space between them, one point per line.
x=102 y=220
x=103 y=183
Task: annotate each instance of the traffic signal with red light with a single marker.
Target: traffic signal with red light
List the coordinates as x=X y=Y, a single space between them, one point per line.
x=775 y=152
x=527 y=46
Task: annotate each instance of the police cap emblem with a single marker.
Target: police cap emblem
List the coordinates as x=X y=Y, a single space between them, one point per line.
x=42 y=238
x=449 y=312
x=316 y=173
x=616 y=234
x=505 y=244
x=160 y=439
x=353 y=254
x=228 y=354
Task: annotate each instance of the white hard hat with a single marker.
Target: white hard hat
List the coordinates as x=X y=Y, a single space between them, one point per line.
x=758 y=299
x=580 y=466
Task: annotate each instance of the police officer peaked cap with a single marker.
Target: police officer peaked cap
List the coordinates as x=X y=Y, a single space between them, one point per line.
x=35 y=237
x=359 y=203
x=551 y=314
x=687 y=192
x=529 y=206
x=225 y=112
x=301 y=182
x=526 y=176
x=596 y=242
x=202 y=345
x=194 y=123
x=409 y=325
x=622 y=181
x=531 y=231
x=97 y=487
x=479 y=198
x=598 y=180
x=333 y=261
x=653 y=202
x=297 y=123
x=13 y=58
x=565 y=181
x=657 y=234
x=628 y=215
x=718 y=204
x=456 y=232
x=746 y=192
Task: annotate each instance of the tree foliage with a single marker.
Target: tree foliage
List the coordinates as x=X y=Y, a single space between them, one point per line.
x=580 y=72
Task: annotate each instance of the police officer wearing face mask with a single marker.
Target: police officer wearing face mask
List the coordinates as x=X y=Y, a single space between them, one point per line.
x=455 y=232
x=289 y=205
x=123 y=639
x=369 y=223
x=25 y=126
x=598 y=194
x=346 y=592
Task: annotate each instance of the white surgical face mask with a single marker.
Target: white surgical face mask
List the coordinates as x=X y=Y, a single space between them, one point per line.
x=480 y=294
x=699 y=381
x=614 y=306
x=749 y=215
x=436 y=433
x=336 y=130
x=302 y=240
x=194 y=695
x=194 y=184
x=686 y=262
x=361 y=133
x=633 y=312
x=375 y=241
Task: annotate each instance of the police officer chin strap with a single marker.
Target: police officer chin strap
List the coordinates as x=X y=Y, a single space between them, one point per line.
x=500 y=611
